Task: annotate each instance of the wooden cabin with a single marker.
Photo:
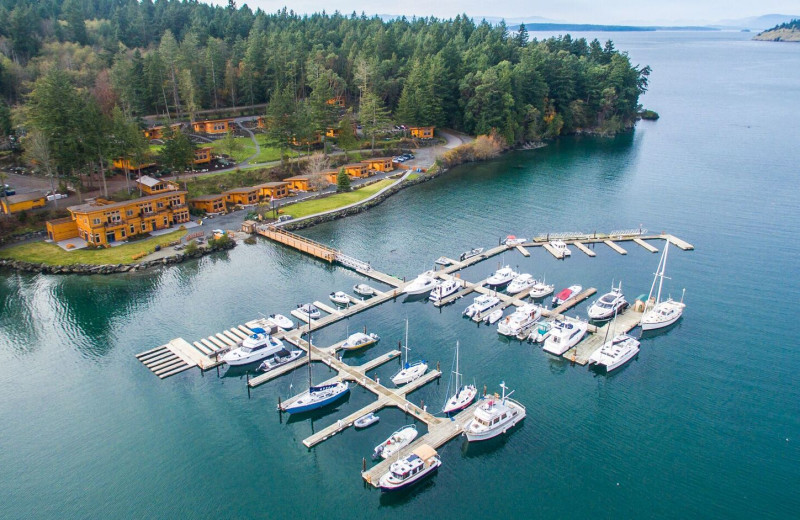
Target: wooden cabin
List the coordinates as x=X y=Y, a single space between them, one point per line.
x=157 y=132
x=211 y=204
x=332 y=176
x=22 y=202
x=356 y=170
x=203 y=155
x=299 y=182
x=337 y=101
x=151 y=186
x=273 y=190
x=212 y=126
x=332 y=132
x=61 y=229
x=127 y=164
x=103 y=221
x=379 y=164
x=421 y=132
x=242 y=196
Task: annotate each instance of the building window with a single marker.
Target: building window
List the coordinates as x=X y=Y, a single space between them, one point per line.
x=144 y=226
x=160 y=204
x=133 y=229
x=129 y=213
x=166 y=222
x=97 y=239
x=96 y=221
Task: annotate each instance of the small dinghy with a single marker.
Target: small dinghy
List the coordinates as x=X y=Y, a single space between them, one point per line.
x=279 y=359
x=366 y=420
x=363 y=290
x=339 y=298
x=493 y=317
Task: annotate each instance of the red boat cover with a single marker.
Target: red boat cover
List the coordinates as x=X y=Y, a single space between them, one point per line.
x=563 y=295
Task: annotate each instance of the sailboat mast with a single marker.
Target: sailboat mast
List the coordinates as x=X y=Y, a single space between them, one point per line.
x=309 y=351
x=406 y=346
x=458 y=382
x=661 y=272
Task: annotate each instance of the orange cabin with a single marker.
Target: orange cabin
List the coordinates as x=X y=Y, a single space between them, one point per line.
x=203 y=155
x=357 y=170
x=379 y=164
x=213 y=126
x=209 y=203
x=421 y=132
x=242 y=196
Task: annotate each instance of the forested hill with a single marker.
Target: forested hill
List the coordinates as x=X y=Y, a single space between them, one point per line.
x=785 y=32
x=167 y=56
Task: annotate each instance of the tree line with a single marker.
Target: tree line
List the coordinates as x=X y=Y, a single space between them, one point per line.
x=173 y=58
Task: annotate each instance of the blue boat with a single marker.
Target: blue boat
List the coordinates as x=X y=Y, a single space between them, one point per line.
x=317 y=397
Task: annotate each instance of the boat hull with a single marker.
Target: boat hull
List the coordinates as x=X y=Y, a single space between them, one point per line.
x=660 y=324
x=419 y=477
x=295 y=409
x=494 y=432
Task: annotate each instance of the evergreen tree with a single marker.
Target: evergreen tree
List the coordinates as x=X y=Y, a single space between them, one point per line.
x=342 y=182
x=373 y=115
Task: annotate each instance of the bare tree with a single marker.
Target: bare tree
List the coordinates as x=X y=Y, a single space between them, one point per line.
x=37 y=152
x=315 y=165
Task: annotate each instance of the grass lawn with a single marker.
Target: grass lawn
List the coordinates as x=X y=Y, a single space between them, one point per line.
x=51 y=254
x=268 y=152
x=247 y=148
x=310 y=207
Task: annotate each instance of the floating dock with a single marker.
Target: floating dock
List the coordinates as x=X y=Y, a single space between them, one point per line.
x=624 y=323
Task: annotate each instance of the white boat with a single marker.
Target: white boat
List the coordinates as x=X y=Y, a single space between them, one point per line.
x=564 y=336
x=396 y=441
x=494 y=416
x=339 y=298
x=422 y=284
x=281 y=321
x=481 y=304
x=561 y=247
x=410 y=371
x=279 y=359
x=501 y=277
x=541 y=289
x=566 y=294
x=608 y=305
x=524 y=317
x=442 y=260
x=657 y=313
x=255 y=348
x=363 y=289
x=405 y=472
x=469 y=254
x=445 y=289
x=366 y=420
x=615 y=353
x=464 y=395
x=520 y=283
x=512 y=240
x=541 y=332
x=309 y=310
x=360 y=340
x=493 y=317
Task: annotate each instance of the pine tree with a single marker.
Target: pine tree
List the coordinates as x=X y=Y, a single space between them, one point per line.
x=342 y=181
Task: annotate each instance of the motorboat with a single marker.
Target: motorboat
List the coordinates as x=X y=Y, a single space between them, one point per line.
x=396 y=441
x=422 y=284
x=564 y=336
x=309 y=310
x=495 y=416
x=520 y=283
x=524 y=317
x=254 y=348
x=363 y=289
x=281 y=321
x=409 y=371
x=501 y=277
x=318 y=396
x=445 y=289
x=540 y=289
x=541 y=332
x=567 y=294
x=608 y=305
x=464 y=394
x=469 y=254
x=658 y=314
x=279 y=359
x=339 y=298
x=417 y=466
x=615 y=353
x=366 y=420
x=512 y=240
x=561 y=247
x=481 y=304
x=493 y=317
x=360 y=340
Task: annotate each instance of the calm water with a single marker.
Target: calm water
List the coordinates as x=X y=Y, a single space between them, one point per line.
x=704 y=423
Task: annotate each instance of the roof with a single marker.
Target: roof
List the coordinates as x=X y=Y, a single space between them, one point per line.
x=297 y=178
x=89 y=207
x=24 y=197
x=353 y=165
x=148 y=181
x=246 y=189
x=63 y=220
x=203 y=198
x=418 y=127
x=425 y=451
x=213 y=120
x=376 y=159
x=271 y=185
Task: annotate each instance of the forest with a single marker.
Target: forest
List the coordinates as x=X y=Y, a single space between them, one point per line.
x=98 y=66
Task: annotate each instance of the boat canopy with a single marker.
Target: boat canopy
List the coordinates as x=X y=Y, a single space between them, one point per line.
x=425 y=452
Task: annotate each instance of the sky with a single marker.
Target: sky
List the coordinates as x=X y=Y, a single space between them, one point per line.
x=574 y=11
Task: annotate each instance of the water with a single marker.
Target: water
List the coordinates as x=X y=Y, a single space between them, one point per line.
x=704 y=423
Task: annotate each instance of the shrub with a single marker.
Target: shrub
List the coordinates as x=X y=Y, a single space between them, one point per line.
x=191 y=248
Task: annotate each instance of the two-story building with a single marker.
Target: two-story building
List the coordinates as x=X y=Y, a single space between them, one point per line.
x=203 y=155
x=103 y=221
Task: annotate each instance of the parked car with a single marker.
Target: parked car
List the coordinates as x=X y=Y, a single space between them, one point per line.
x=8 y=190
x=284 y=218
x=56 y=196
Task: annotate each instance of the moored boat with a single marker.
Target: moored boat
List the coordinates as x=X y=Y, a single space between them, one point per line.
x=541 y=289
x=422 y=284
x=318 y=396
x=501 y=277
x=512 y=240
x=309 y=310
x=566 y=294
x=420 y=464
x=564 y=336
x=396 y=441
x=493 y=317
x=615 y=353
x=445 y=289
x=495 y=416
x=561 y=247
x=541 y=332
x=360 y=340
x=409 y=371
x=520 y=283
x=281 y=321
x=464 y=394
x=255 y=347
x=481 y=304
x=279 y=359
x=363 y=289
x=523 y=318
x=608 y=305
x=659 y=314
x=469 y=254
x=339 y=298
x=366 y=420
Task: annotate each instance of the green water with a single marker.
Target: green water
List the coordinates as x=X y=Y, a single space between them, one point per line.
x=704 y=423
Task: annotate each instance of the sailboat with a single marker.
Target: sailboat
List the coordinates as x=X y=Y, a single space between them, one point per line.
x=412 y=371
x=657 y=313
x=464 y=394
x=316 y=396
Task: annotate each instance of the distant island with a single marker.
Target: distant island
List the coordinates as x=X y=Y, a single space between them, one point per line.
x=577 y=27
x=785 y=32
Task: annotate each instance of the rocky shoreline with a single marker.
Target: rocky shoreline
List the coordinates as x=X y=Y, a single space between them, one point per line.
x=85 y=269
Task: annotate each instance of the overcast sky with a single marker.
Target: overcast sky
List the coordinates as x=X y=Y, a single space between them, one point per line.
x=575 y=11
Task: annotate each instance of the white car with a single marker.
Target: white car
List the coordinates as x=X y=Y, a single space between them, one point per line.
x=56 y=196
